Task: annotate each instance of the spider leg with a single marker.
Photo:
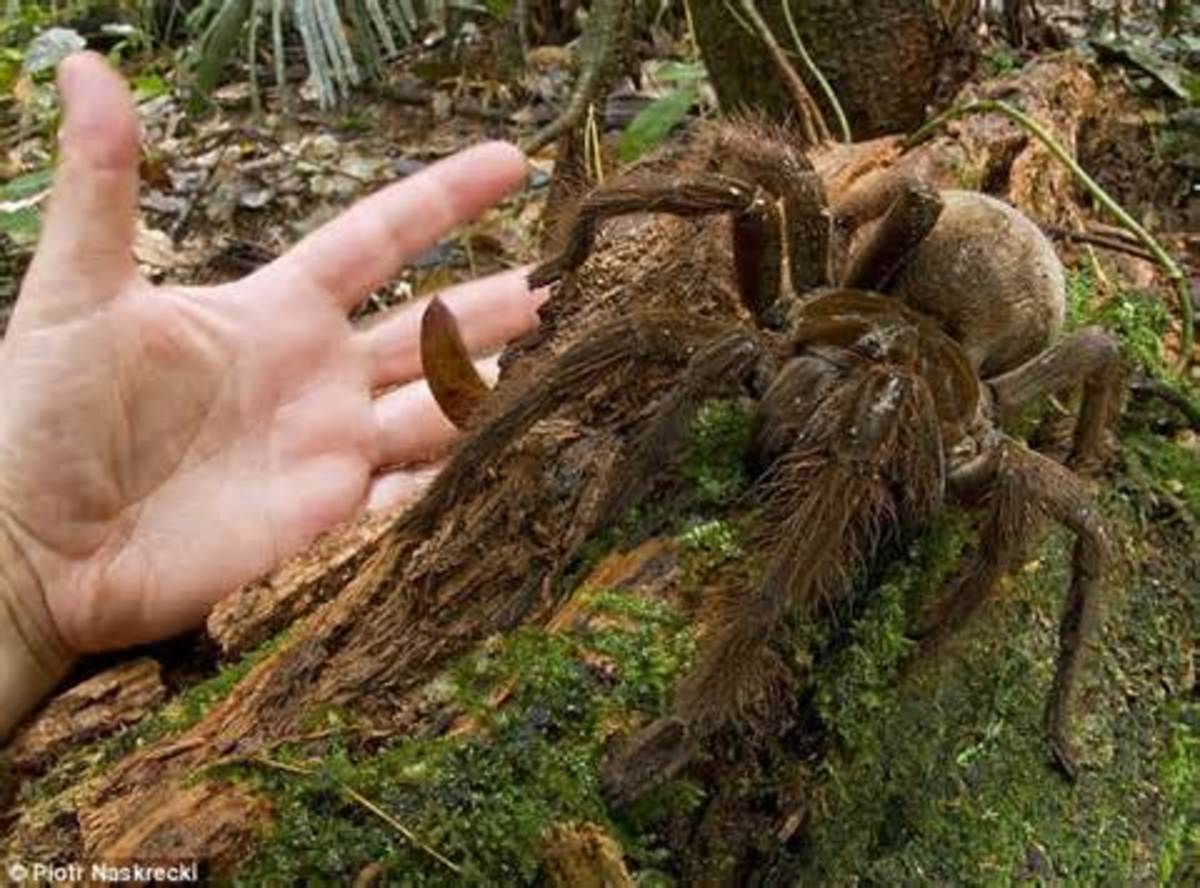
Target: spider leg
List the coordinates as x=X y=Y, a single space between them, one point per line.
x=1002 y=538
x=1065 y=499
x=826 y=503
x=1025 y=484
x=753 y=153
x=735 y=361
x=907 y=222
x=757 y=228
x=648 y=338
x=700 y=195
x=1090 y=354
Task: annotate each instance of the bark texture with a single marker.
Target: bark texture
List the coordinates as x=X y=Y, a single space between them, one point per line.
x=886 y=60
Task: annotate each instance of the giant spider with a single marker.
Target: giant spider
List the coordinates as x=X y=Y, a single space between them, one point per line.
x=881 y=376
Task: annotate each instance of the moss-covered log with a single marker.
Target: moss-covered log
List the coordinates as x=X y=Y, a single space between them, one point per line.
x=468 y=680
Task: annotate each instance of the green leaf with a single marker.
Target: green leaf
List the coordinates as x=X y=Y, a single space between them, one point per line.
x=20 y=217
x=149 y=86
x=51 y=47
x=1167 y=73
x=654 y=123
x=681 y=72
x=26 y=186
x=21 y=225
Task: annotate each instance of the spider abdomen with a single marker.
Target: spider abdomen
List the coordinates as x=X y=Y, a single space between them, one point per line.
x=992 y=279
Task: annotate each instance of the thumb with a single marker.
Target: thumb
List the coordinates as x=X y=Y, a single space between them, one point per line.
x=86 y=248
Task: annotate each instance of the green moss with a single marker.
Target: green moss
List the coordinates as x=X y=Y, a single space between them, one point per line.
x=1179 y=862
x=1003 y=60
x=854 y=683
x=718 y=450
x=940 y=772
x=1139 y=320
x=484 y=800
x=173 y=717
x=712 y=547
x=1164 y=466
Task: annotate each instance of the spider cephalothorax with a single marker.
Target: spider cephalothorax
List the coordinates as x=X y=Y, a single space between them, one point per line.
x=886 y=337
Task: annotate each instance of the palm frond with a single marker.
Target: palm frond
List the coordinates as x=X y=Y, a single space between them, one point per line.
x=338 y=58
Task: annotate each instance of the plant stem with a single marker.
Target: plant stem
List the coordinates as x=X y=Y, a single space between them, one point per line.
x=811 y=66
x=1170 y=266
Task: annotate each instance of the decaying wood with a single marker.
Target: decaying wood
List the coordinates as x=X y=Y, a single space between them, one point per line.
x=483 y=553
x=259 y=610
x=488 y=548
x=98 y=707
x=986 y=152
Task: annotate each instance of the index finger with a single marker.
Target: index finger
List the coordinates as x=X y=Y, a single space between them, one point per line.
x=365 y=246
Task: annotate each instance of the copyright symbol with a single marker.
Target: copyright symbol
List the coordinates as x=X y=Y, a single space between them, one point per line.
x=18 y=872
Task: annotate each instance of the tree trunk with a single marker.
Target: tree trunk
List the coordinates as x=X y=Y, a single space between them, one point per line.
x=887 y=60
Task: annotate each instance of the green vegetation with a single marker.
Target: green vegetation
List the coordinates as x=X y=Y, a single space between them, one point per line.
x=1003 y=60
x=1179 y=861
x=716 y=458
x=484 y=798
x=174 y=717
x=944 y=775
x=1164 y=466
x=1138 y=320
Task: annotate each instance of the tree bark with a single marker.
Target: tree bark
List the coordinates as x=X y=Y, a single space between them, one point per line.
x=887 y=60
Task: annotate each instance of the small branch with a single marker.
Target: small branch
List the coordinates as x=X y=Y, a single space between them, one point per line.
x=599 y=53
x=817 y=75
x=1169 y=265
x=1156 y=388
x=1116 y=245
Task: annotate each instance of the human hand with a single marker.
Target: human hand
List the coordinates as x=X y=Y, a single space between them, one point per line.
x=160 y=446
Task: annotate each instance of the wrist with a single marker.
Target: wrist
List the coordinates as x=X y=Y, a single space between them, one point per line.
x=33 y=658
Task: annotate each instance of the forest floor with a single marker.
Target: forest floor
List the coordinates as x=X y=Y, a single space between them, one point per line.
x=890 y=770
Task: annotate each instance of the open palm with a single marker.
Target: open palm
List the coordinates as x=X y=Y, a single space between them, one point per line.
x=161 y=445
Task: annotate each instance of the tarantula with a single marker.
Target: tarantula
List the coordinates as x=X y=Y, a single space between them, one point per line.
x=881 y=375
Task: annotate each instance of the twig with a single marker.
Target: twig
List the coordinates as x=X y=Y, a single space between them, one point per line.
x=817 y=75
x=357 y=797
x=600 y=48
x=256 y=102
x=280 y=60
x=1169 y=265
x=1100 y=240
x=812 y=121
x=1157 y=388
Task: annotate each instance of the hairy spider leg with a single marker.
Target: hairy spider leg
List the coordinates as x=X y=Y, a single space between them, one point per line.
x=777 y=208
x=907 y=222
x=1023 y=485
x=707 y=366
x=861 y=465
x=1090 y=354
x=690 y=196
x=827 y=502
x=652 y=338
x=730 y=364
